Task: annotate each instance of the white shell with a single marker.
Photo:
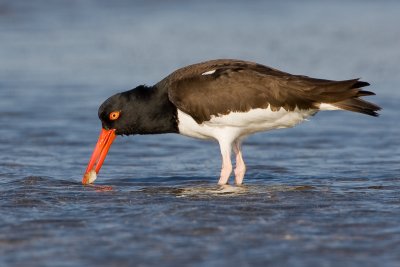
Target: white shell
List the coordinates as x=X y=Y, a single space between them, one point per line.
x=92 y=176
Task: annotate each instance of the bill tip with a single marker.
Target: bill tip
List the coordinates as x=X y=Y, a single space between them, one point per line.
x=89 y=177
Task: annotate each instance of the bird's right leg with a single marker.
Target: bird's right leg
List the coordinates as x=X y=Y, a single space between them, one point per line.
x=226 y=148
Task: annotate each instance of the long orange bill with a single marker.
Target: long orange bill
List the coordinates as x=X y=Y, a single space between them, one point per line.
x=99 y=153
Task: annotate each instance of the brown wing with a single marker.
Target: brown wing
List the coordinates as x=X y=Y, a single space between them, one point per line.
x=241 y=86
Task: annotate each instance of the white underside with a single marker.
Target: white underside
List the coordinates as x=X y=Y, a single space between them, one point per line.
x=237 y=125
x=229 y=130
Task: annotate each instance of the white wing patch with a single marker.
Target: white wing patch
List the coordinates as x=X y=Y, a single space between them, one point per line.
x=208 y=72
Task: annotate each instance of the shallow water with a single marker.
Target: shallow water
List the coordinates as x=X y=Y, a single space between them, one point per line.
x=325 y=193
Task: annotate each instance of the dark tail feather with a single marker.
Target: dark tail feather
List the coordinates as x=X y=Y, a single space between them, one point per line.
x=364 y=93
x=359 y=84
x=356 y=104
x=359 y=105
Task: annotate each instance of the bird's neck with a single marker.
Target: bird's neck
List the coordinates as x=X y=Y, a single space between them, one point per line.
x=157 y=114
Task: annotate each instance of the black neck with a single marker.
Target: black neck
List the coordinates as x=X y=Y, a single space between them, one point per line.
x=155 y=114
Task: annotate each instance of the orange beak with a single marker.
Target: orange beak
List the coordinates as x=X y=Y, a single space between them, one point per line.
x=100 y=152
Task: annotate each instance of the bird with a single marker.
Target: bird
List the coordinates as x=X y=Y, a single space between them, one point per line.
x=224 y=100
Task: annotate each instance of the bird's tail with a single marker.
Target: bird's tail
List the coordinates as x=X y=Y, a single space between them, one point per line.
x=345 y=95
x=356 y=104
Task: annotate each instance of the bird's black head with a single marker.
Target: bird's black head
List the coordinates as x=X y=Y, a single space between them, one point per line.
x=118 y=113
x=142 y=110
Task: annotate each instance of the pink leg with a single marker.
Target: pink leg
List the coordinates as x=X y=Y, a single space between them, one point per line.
x=240 y=168
x=226 y=163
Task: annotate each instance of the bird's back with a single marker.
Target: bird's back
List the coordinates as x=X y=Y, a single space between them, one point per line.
x=219 y=87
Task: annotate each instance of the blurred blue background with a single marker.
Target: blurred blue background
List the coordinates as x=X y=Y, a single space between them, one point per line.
x=60 y=59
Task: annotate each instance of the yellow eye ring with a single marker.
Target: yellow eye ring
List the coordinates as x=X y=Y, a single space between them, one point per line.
x=114 y=115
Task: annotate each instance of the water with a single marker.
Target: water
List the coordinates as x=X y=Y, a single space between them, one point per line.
x=325 y=193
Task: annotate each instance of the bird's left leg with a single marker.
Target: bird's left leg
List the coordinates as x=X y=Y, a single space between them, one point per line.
x=226 y=148
x=240 y=168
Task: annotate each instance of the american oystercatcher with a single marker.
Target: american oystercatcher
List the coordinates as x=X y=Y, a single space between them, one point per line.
x=224 y=100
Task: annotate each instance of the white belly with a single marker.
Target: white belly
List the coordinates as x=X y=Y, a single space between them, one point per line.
x=241 y=124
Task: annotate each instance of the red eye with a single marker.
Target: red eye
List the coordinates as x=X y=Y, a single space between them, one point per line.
x=114 y=115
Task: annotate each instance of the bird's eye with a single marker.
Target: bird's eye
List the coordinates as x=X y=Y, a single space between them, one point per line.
x=114 y=115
